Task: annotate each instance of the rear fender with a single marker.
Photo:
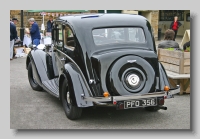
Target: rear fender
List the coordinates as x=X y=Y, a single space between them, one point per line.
x=77 y=85
x=164 y=81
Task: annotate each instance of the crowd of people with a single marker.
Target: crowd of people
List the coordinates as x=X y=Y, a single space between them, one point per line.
x=34 y=32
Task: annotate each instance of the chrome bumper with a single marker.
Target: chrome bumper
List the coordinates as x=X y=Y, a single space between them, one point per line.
x=105 y=100
x=171 y=93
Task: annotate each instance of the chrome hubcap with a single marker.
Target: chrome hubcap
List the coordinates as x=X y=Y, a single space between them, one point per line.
x=133 y=80
x=68 y=98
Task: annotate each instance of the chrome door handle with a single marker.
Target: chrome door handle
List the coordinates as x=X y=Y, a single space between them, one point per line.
x=63 y=59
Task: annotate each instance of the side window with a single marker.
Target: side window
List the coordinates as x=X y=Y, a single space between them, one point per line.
x=69 y=41
x=59 y=37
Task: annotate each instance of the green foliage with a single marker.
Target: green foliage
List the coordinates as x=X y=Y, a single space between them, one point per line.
x=188 y=49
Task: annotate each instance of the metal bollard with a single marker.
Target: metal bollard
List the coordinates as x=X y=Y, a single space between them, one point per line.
x=159 y=34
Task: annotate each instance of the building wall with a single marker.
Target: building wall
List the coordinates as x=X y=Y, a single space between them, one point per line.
x=130 y=11
x=17 y=14
x=164 y=25
x=152 y=17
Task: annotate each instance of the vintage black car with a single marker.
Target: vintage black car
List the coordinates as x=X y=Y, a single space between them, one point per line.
x=101 y=60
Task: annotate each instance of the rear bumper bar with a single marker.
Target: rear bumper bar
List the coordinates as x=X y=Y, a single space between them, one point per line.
x=105 y=100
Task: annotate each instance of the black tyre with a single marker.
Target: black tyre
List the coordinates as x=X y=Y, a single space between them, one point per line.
x=71 y=110
x=127 y=78
x=32 y=81
x=152 y=109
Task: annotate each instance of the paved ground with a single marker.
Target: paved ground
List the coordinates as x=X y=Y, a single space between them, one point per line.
x=39 y=110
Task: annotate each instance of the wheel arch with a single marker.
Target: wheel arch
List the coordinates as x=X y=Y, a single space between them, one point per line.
x=28 y=60
x=76 y=85
x=61 y=79
x=163 y=77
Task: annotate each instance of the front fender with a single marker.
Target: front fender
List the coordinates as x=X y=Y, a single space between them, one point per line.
x=30 y=58
x=77 y=85
x=40 y=60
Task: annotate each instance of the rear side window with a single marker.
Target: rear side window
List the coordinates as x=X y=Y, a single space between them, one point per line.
x=105 y=36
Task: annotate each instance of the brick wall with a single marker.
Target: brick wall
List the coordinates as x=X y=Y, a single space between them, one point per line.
x=17 y=14
x=154 y=22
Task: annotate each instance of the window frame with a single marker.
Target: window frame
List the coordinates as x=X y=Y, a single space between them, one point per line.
x=65 y=39
x=123 y=27
x=168 y=15
x=57 y=40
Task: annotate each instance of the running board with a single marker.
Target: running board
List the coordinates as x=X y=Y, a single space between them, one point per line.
x=52 y=85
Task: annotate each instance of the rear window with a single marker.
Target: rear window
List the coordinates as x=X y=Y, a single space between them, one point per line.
x=105 y=36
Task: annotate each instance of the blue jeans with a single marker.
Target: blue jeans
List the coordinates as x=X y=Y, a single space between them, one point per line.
x=36 y=42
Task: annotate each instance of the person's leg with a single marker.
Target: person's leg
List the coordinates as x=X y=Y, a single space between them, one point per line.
x=36 y=42
x=14 y=52
x=175 y=31
x=11 y=49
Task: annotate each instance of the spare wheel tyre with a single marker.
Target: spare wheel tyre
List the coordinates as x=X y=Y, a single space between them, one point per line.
x=130 y=75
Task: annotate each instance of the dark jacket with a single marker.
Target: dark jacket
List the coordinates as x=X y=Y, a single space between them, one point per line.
x=168 y=44
x=179 y=24
x=13 y=32
x=35 y=32
x=187 y=44
x=49 y=26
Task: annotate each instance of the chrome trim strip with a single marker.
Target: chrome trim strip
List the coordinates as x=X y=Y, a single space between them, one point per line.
x=87 y=86
x=176 y=91
x=172 y=92
x=98 y=100
x=104 y=104
x=122 y=98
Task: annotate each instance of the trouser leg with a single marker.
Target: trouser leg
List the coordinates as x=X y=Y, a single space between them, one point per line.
x=175 y=31
x=36 y=42
x=13 y=51
x=11 y=48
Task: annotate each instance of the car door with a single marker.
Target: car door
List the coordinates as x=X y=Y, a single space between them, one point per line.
x=60 y=57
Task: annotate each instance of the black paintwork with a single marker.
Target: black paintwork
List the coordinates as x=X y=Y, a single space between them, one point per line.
x=88 y=61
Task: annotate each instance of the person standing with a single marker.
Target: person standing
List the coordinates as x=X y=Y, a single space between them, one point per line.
x=13 y=36
x=34 y=32
x=175 y=26
x=14 y=21
x=50 y=23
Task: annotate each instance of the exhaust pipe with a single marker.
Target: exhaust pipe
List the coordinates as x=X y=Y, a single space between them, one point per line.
x=163 y=107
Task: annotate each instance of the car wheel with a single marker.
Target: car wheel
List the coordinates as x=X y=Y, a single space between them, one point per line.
x=152 y=109
x=72 y=112
x=131 y=75
x=32 y=81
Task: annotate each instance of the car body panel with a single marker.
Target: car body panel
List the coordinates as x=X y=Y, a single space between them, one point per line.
x=87 y=66
x=77 y=85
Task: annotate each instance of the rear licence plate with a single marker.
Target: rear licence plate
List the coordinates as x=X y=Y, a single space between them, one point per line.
x=140 y=103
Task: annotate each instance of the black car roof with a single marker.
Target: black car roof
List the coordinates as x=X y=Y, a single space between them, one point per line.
x=83 y=24
x=99 y=20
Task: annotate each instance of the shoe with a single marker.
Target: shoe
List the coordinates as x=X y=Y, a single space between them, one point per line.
x=14 y=57
x=11 y=59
